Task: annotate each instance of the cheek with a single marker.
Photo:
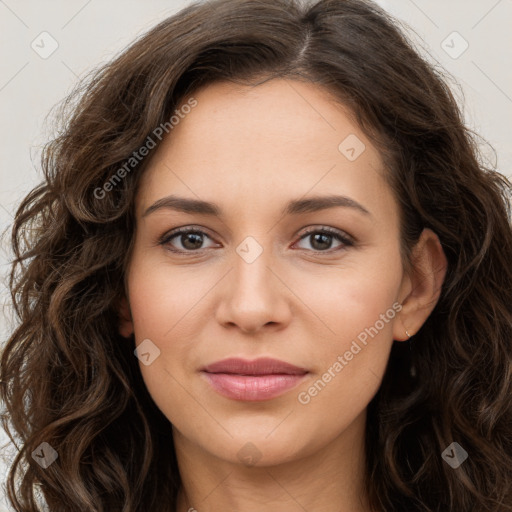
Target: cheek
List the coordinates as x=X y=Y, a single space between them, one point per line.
x=165 y=297
x=350 y=366
x=354 y=300
x=165 y=302
x=357 y=308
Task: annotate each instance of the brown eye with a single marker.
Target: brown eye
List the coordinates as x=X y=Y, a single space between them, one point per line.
x=187 y=239
x=321 y=239
x=191 y=240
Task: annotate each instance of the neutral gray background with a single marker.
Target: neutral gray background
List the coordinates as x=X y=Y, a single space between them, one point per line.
x=90 y=32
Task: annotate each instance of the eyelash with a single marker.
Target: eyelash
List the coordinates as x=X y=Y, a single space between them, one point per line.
x=338 y=235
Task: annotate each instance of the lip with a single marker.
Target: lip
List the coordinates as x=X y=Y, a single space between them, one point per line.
x=257 y=380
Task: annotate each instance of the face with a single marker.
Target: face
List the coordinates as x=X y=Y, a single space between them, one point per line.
x=266 y=273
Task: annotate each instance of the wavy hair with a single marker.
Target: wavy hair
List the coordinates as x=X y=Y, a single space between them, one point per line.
x=70 y=379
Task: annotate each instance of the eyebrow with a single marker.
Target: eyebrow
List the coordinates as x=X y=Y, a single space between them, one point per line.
x=294 y=207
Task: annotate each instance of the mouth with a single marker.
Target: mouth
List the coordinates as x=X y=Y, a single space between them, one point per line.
x=261 y=379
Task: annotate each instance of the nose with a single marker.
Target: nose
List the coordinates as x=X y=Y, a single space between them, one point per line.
x=254 y=296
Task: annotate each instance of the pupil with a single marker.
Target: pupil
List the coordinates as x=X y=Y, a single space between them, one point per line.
x=323 y=238
x=188 y=236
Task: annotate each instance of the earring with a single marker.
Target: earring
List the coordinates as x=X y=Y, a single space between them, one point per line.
x=412 y=370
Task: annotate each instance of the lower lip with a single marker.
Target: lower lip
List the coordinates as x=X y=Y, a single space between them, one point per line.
x=252 y=387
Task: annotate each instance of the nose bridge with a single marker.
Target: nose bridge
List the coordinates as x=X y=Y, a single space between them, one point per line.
x=253 y=296
x=251 y=262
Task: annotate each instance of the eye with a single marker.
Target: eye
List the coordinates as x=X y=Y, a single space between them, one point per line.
x=190 y=239
x=321 y=239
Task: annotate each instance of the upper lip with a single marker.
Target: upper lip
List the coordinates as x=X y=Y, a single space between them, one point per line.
x=262 y=366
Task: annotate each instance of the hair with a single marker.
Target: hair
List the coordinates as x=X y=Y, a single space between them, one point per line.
x=71 y=380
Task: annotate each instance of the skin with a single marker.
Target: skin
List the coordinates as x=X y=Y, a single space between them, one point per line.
x=251 y=150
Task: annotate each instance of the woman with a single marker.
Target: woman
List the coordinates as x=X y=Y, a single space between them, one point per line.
x=266 y=270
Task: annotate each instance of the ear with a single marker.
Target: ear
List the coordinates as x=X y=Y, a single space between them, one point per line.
x=421 y=287
x=125 y=318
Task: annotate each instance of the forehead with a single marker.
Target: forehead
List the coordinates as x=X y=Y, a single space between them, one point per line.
x=260 y=144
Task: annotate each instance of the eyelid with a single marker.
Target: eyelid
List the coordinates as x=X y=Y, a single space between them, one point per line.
x=166 y=237
x=331 y=231
x=341 y=236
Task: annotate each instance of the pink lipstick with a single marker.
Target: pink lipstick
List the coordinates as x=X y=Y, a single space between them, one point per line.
x=257 y=380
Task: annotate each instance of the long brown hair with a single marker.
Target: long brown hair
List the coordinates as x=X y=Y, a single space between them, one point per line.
x=69 y=379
